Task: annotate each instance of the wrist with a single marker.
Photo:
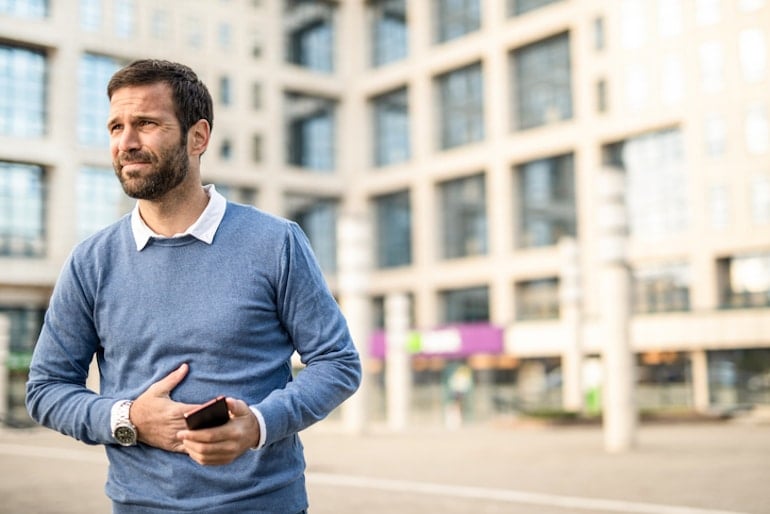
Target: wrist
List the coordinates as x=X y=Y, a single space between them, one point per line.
x=123 y=431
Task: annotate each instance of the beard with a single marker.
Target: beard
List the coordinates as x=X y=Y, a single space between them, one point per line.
x=169 y=169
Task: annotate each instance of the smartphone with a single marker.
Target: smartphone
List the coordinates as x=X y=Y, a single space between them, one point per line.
x=211 y=414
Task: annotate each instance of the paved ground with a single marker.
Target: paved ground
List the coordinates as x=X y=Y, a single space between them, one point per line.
x=705 y=468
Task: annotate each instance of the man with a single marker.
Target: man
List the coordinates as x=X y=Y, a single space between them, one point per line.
x=187 y=298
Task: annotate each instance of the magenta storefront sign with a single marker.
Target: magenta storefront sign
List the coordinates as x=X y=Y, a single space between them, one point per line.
x=455 y=341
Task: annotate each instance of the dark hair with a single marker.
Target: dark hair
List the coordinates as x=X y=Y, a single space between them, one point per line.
x=192 y=100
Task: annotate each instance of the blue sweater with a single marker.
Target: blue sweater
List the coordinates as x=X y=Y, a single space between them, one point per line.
x=235 y=311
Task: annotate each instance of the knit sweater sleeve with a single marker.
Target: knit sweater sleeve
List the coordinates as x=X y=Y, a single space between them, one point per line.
x=57 y=396
x=320 y=335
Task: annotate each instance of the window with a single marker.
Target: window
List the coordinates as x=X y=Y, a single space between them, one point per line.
x=633 y=23
x=670 y=18
x=22 y=92
x=225 y=36
x=719 y=207
x=318 y=219
x=752 y=49
x=22 y=210
x=226 y=149
x=24 y=326
x=661 y=288
x=537 y=299
x=637 y=86
x=542 y=82
x=745 y=280
x=712 y=62
x=394 y=229
x=91 y=15
x=757 y=130
x=256 y=148
x=244 y=195
x=225 y=90
x=760 y=199
x=311 y=132
x=465 y=305
x=707 y=12
x=309 y=29
x=455 y=18
x=194 y=33
x=656 y=192
x=599 y=34
x=389 y=31
x=463 y=217
x=100 y=200
x=714 y=135
x=124 y=18
x=519 y=7
x=461 y=106
x=160 y=25
x=672 y=80
x=32 y=9
x=601 y=95
x=94 y=73
x=256 y=96
x=391 y=128
x=547 y=201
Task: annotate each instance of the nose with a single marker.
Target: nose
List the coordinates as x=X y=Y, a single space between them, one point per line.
x=127 y=139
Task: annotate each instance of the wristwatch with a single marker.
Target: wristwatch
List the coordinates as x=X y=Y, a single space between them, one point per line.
x=123 y=430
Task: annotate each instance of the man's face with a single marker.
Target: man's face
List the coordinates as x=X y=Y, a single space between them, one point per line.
x=148 y=152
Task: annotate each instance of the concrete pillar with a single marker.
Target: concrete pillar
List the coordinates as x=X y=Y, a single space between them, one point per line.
x=700 y=380
x=398 y=372
x=572 y=356
x=353 y=246
x=619 y=405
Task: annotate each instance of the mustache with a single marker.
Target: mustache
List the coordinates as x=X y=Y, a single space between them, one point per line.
x=134 y=156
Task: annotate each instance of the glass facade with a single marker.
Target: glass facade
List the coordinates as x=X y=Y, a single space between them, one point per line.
x=463 y=217
x=310 y=131
x=393 y=214
x=389 y=31
x=309 y=30
x=542 y=82
x=519 y=7
x=745 y=280
x=547 y=201
x=391 y=128
x=656 y=187
x=537 y=299
x=94 y=73
x=100 y=200
x=22 y=92
x=455 y=18
x=661 y=288
x=466 y=305
x=31 y=9
x=22 y=210
x=318 y=219
x=461 y=106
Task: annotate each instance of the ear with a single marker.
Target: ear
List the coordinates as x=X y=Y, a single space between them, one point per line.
x=198 y=137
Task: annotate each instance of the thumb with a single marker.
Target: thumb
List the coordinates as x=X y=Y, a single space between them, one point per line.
x=164 y=386
x=238 y=408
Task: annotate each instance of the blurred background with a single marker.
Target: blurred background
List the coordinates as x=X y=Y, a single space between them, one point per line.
x=445 y=158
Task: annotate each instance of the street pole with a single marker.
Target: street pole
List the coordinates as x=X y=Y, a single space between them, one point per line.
x=354 y=264
x=570 y=301
x=619 y=406
x=398 y=373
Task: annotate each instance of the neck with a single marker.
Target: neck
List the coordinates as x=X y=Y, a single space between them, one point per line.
x=175 y=212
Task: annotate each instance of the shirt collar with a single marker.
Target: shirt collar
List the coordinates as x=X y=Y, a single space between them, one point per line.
x=203 y=229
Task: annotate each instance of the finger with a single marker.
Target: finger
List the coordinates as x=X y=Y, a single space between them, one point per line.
x=164 y=386
x=237 y=407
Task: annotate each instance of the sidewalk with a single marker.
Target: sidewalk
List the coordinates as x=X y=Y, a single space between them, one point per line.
x=702 y=468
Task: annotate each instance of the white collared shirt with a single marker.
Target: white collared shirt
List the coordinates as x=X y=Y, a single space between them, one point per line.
x=203 y=229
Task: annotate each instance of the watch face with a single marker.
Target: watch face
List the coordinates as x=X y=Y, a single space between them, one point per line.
x=125 y=435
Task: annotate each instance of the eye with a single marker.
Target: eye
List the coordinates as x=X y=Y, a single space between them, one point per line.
x=114 y=128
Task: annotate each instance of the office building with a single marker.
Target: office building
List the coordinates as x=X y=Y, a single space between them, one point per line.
x=468 y=138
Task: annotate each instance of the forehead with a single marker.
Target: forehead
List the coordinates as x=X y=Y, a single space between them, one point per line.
x=156 y=98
